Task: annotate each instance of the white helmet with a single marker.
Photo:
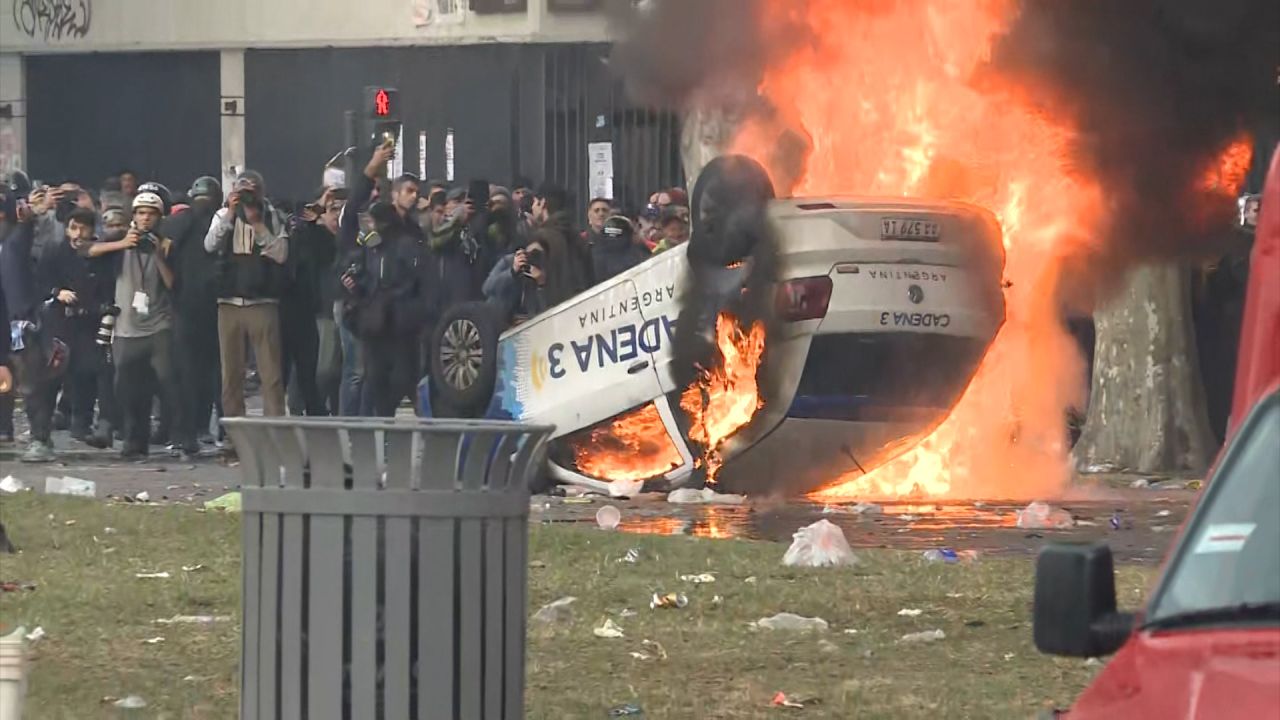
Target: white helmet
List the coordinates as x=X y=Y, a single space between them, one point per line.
x=148 y=199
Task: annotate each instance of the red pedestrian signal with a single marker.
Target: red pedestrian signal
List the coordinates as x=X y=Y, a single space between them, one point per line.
x=382 y=103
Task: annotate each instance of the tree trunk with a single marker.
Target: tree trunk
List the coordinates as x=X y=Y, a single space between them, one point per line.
x=1147 y=409
x=705 y=134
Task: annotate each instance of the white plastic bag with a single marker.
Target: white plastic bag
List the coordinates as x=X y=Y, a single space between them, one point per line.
x=1040 y=516
x=821 y=544
x=705 y=496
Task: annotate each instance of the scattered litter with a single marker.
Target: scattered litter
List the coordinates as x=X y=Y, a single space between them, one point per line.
x=981 y=505
x=229 y=502
x=1195 y=484
x=924 y=637
x=16 y=586
x=1040 y=516
x=790 y=621
x=641 y=656
x=705 y=496
x=751 y=580
x=946 y=555
x=192 y=568
x=608 y=517
x=850 y=631
x=608 y=630
x=555 y=612
x=1097 y=468
x=625 y=613
x=955 y=595
x=162 y=575
x=153 y=640
x=67 y=485
x=192 y=619
x=821 y=544
x=717 y=600
x=68 y=523
x=656 y=648
x=625 y=488
x=909 y=518
x=1161 y=528
x=701 y=579
x=632 y=556
x=1086 y=523
x=865 y=508
x=577 y=501
x=537 y=564
x=1009 y=656
x=1164 y=513
x=827 y=646
x=670 y=601
x=574 y=491
x=11 y=484
x=910 y=612
x=1140 y=484
x=192 y=678
x=781 y=700
x=108 y=531
x=1092 y=662
x=627 y=710
x=35 y=635
x=132 y=702
x=143 y=497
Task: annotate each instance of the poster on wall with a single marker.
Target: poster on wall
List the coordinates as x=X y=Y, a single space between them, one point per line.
x=600 y=169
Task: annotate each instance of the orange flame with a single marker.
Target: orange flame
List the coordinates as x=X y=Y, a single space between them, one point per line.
x=1226 y=175
x=887 y=99
x=633 y=446
x=726 y=398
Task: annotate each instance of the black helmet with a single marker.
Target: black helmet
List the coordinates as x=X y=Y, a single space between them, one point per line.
x=206 y=186
x=618 y=227
x=154 y=187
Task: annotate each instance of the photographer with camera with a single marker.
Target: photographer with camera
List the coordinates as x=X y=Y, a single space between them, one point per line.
x=250 y=240
x=531 y=279
x=141 y=348
x=81 y=290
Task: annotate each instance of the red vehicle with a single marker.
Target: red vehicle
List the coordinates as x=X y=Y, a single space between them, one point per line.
x=1207 y=645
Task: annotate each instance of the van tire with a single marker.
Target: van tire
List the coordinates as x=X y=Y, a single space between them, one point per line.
x=729 y=203
x=464 y=359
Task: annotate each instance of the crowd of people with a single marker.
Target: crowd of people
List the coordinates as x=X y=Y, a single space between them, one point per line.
x=141 y=316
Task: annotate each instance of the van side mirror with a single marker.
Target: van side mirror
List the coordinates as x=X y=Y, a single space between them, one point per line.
x=1075 y=602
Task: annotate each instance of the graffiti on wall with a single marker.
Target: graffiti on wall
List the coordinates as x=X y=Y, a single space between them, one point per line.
x=53 y=20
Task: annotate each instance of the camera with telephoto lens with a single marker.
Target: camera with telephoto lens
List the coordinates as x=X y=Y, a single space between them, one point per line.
x=107 y=325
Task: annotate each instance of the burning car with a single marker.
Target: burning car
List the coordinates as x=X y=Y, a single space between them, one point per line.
x=844 y=326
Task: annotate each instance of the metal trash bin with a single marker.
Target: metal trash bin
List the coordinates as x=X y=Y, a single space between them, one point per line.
x=385 y=568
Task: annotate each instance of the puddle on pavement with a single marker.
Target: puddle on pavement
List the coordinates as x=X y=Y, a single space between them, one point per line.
x=988 y=527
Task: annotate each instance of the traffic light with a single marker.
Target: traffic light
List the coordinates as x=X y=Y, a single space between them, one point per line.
x=382 y=114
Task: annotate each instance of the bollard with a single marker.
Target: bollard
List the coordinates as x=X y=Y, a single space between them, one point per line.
x=404 y=540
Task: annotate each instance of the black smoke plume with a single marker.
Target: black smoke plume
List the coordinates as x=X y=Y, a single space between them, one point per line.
x=1156 y=90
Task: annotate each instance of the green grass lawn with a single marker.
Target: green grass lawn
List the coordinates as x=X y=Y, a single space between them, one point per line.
x=97 y=613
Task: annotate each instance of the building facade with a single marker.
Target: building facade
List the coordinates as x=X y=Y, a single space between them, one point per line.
x=490 y=89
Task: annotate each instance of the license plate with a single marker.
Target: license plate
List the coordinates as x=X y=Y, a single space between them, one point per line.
x=909 y=229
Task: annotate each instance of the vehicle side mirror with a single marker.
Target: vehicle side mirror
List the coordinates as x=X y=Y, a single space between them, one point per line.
x=1075 y=602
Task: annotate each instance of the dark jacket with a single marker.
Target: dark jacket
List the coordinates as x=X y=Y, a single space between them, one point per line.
x=612 y=256
x=195 y=288
x=583 y=274
x=389 y=298
x=17 y=273
x=252 y=275
x=93 y=280
x=312 y=284
x=511 y=293
x=455 y=264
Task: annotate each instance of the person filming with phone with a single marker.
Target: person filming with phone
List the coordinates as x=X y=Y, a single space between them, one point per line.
x=531 y=279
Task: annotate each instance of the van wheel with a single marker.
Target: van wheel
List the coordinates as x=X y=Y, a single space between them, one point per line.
x=729 y=202
x=464 y=359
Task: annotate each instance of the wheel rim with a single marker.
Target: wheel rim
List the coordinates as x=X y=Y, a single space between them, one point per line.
x=461 y=354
